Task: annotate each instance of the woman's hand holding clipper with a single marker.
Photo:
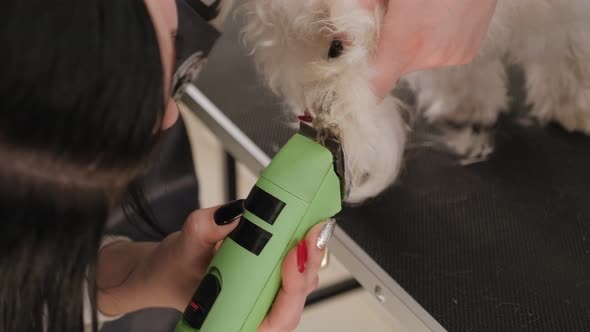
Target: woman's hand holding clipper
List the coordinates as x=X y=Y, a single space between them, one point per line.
x=166 y=274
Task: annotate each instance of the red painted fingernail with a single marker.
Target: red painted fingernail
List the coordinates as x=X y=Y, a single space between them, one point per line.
x=301 y=256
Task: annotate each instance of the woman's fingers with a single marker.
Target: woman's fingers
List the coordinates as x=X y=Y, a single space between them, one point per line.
x=179 y=262
x=205 y=228
x=300 y=277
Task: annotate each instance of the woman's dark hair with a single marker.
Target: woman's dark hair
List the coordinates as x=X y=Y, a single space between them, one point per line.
x=81 y=87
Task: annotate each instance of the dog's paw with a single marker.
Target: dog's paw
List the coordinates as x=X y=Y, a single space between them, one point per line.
x=560 y=93
x=574 y=115
x=571 y=113
x=473 y=144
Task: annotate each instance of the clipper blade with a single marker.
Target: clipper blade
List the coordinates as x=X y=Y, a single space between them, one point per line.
x=332 y=143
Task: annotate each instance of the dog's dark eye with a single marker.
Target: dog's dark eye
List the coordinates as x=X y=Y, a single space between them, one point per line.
x=336 y=48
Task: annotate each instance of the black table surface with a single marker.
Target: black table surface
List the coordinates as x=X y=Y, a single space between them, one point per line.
x=502 y=245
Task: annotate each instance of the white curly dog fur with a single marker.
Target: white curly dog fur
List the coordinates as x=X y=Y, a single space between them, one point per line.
x=290 y=41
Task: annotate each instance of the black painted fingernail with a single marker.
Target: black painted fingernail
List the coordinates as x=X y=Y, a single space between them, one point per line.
x=229 y=212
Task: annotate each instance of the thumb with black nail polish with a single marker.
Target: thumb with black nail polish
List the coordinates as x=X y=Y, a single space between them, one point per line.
x=229 y=212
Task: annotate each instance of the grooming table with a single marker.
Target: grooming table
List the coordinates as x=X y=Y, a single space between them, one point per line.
x=502 y=245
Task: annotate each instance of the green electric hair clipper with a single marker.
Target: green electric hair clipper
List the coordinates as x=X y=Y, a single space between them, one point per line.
x=302 y=186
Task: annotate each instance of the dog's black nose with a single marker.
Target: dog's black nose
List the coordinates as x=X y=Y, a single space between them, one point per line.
x=336 y=48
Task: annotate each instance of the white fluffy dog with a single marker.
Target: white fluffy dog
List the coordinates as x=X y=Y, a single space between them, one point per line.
x=298 y=48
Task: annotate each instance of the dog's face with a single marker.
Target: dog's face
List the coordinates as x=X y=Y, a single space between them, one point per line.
x=303 y=46
x=316 y=55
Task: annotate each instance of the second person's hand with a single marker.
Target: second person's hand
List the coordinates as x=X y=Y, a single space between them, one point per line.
x=423 y=34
